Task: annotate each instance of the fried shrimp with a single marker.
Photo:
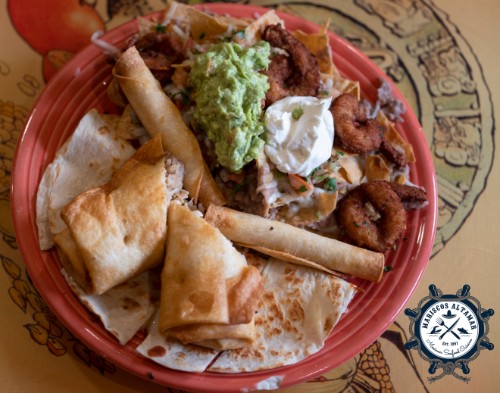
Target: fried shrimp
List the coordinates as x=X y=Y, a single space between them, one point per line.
x=357 y=134
x=373 y=215
x=411 y=197
x=159 y=51
x=294 y=73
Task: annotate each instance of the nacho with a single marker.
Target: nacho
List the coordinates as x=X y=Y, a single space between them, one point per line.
x=319 y=45
x=253 y=32
x=395 y=139
x=377 y=168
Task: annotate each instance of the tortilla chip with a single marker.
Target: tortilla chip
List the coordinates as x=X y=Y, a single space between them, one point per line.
x=175 y=13
x=129 y=127
x=346 y=86
x=322 y=206
x=395 y=139
x=115 y=94
x=351 y=168
x=319 y=45
x=204 y=26
x=377 y=168
x=253 y=32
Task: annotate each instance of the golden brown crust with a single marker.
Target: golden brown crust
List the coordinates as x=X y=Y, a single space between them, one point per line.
x=208 y=291
x=244 y=295
x=119 y=228
x=295 y=244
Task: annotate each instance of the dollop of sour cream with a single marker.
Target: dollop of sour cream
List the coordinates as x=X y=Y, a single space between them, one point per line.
x=299 y=134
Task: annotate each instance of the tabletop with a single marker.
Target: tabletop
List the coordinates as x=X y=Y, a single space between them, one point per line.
x=442 y=54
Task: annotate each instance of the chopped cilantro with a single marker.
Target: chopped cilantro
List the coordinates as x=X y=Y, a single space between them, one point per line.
x=314 y=171
x=302 y=189
x=159 y=28
x=330 y=184
x=297 y=113
x=340 y=153
x=387 y=268
x=278 y=174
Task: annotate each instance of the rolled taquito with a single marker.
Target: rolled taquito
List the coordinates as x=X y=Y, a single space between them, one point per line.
x=159 y=115
x=296 y=245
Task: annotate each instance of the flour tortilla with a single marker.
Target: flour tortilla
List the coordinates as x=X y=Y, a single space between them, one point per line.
x=86 y=160
x=126 y=308
x=209 y=293
x=299 y=308
x=119 y=228
x=170 y=353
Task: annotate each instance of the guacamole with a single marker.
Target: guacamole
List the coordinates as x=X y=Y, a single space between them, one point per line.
x=229 y=93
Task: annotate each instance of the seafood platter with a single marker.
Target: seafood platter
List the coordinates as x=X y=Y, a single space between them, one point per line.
x=224 y=193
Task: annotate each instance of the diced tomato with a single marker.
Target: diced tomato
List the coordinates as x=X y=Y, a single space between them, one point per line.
x=299 y=183
x=236 y=177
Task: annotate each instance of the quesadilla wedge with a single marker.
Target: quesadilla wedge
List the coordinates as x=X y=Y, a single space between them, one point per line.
x=209 y=293
x=126 y=308
x=119 y=228
x=169 y=352
x=298 y=310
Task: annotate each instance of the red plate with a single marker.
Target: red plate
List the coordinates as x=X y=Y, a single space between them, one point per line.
x=80 y=86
